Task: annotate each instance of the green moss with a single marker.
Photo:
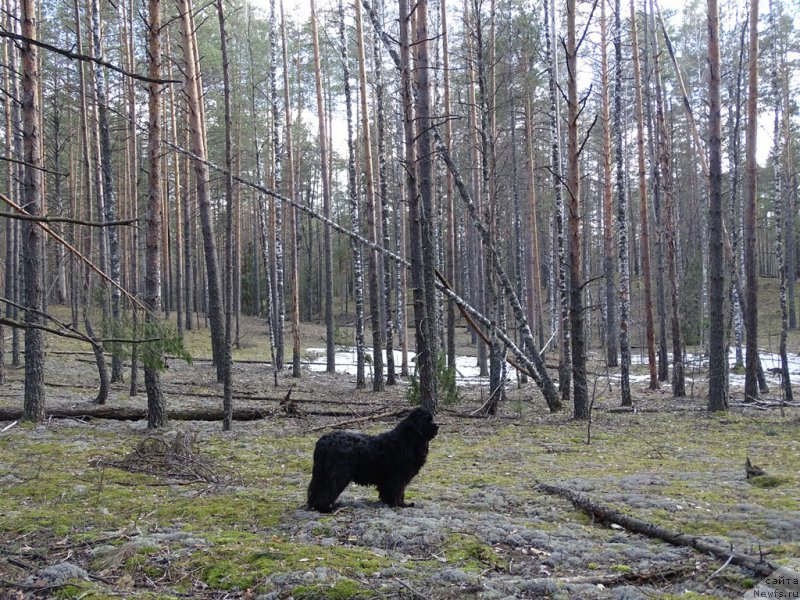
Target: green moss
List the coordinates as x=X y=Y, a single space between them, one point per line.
x=470 y=554
x=767 y=481
x=247 y=565
x=621 y=568
x=340 y=590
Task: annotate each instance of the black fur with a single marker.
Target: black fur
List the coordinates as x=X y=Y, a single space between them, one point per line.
x=389 y=461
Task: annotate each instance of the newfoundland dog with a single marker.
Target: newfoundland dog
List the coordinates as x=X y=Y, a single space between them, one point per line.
x=388 y=461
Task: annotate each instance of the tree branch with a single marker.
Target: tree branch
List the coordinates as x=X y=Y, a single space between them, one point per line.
x=48 y=219
x=75 y=56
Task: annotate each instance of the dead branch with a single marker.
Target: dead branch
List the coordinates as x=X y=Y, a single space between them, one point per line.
x=606 y=514
x=41 y=219
x=361 y=419
x=618 y=578
x=75 y=56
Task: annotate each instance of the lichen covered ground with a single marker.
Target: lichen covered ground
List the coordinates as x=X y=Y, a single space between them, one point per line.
x=73 y=523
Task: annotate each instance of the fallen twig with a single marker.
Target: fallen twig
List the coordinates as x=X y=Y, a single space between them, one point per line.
x=360 y=419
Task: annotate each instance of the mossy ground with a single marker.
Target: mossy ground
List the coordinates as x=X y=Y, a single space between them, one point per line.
x=480 y=527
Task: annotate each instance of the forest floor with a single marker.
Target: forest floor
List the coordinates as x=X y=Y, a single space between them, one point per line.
x=223 y=516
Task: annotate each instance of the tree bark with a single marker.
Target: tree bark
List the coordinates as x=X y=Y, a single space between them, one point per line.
x=109 y=196
x=371 y=208
x=290 y=188
x=197 y=129
x=718 y=355
x=355 y=216
x=227 y=361
x=327 y=247
x=156 y=403
x=750 y=215
x=580 y=392
x=612 y=338
x=622 y=199
x=643 y=213
x=32 y=238
x=565 y=368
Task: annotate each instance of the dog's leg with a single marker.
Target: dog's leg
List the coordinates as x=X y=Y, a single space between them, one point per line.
x=325 y=487
x=393 y=495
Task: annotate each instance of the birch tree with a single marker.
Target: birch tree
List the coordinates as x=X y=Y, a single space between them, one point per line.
x=371 y=208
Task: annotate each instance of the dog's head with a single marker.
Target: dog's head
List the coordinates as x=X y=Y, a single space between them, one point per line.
x=420 y=420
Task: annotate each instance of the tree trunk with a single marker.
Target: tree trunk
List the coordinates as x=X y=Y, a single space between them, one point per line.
x=227 y=400
x=750 y=215
x=643 y=216
x=384 y=207
x=450 y=256
x=425 y=341
x=156 y=403
x=565 y=366
x=678 y=382
x=291 y=193
x=355 y=217
x=109 y=198
x=32 y=238
x=197 y=129
x=277 y=208
x=779 y=192
x=718 y=359
x=608 y=223
x=652 y=145
x=369 y=184
x=535 y=283
x=580 y=392
x=330 y=349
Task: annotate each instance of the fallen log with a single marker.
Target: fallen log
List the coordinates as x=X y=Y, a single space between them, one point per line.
x=606 y=514
x=130 y=413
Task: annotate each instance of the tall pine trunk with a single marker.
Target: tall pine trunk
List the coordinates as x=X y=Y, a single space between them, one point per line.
x=33 y=200
x=718 y=359
x=109 y=197
x=156 y=403
x=581 y=392
x=750 y=215
x=227 y=395
x=609 y=266
x=198 y=143
x=643 y=213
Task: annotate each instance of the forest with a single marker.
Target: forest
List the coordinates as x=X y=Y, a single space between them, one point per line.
x=565 y=228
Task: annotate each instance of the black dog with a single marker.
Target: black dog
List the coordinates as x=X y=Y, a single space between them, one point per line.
x=389 y=461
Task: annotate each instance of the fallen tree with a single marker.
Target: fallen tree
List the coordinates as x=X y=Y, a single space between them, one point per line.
x=606 y=514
